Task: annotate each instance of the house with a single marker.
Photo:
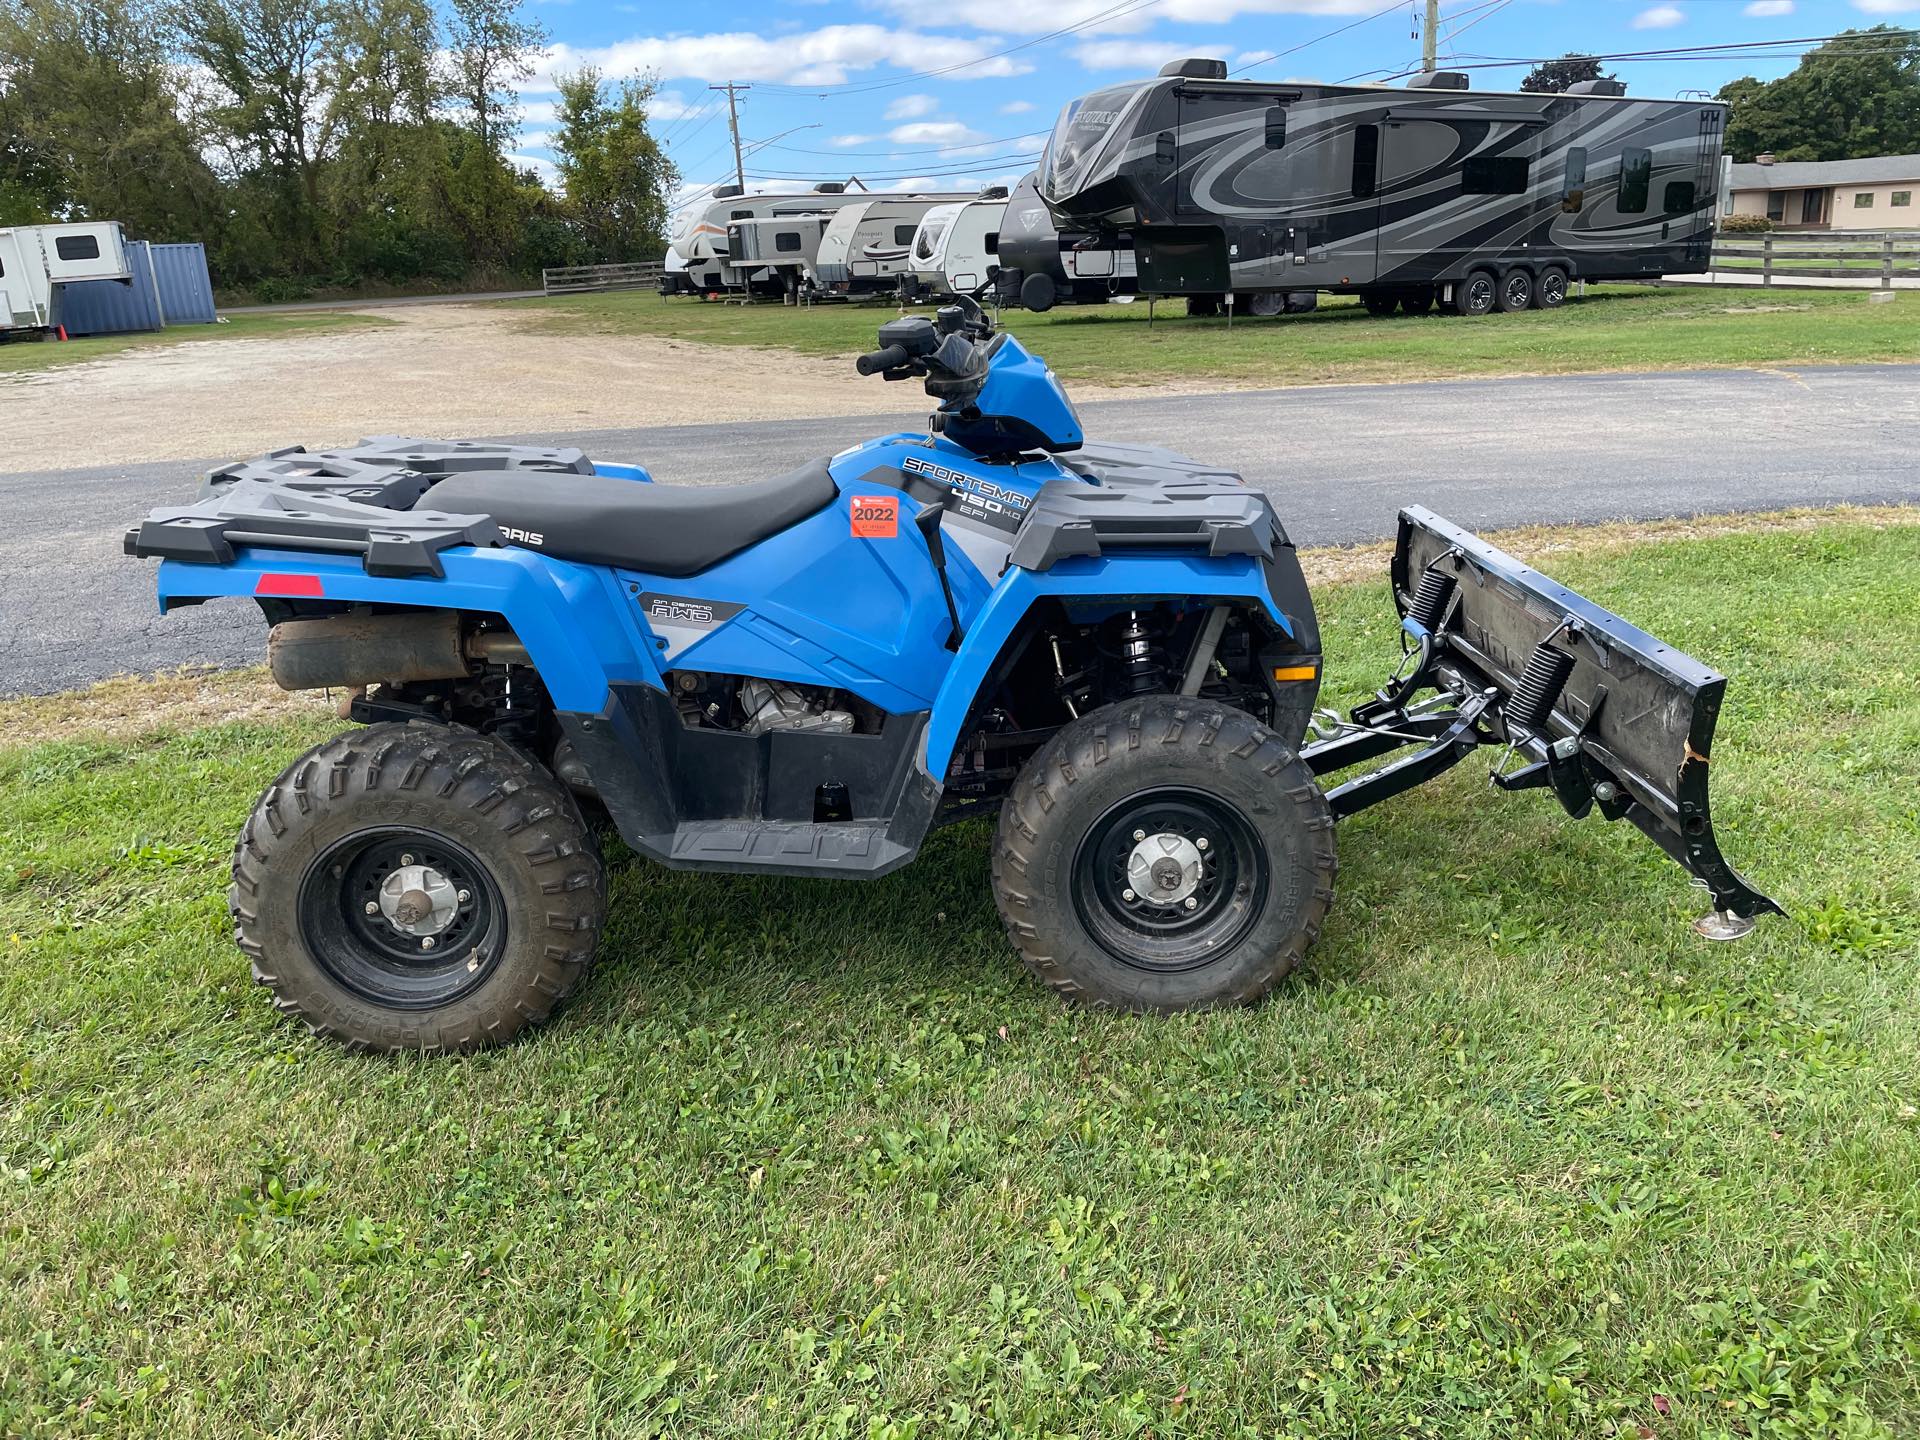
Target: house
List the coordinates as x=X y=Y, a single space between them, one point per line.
x=1871 y=194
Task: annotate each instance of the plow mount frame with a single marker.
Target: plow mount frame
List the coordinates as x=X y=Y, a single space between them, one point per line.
x=1599 y=712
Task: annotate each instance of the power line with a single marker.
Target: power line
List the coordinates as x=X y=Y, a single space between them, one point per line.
x=1294 y=49
x=931 y=150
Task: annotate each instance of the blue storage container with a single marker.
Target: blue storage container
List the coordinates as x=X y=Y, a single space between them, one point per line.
x=170 y=286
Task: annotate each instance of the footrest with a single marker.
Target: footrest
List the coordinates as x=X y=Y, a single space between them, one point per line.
x=782 y=847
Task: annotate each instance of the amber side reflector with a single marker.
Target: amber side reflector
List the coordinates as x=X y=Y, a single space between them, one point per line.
x=1294 y=672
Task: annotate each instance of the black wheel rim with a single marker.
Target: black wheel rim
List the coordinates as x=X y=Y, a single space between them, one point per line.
x=1519 y=291
x=1480 y=294
x=1553 y=289
x=368 y=952
x=1158 y=930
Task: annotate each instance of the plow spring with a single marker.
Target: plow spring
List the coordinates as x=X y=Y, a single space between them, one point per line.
x=1590 y=707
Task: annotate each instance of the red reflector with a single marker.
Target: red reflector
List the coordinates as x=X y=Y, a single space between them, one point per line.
x=305 y=586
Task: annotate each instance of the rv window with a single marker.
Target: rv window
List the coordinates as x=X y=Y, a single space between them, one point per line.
x=1636 y=178
x=993 y=239
x=788 y=240
x=76 y=247
x=1677 y=198
x=1276 y=126
x=903 y=234
x=1576 y=167
x=1366 y=160
x=1494 y=175
x=740 y=215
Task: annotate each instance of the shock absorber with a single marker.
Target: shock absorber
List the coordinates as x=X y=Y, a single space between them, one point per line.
x=1140 y=658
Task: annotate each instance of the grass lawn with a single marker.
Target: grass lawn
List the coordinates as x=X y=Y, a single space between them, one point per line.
x=1613 y=328
x=1516 y=1155
x=20 y=357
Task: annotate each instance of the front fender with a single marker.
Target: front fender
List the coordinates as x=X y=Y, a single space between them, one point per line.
x=573 y=619
x=1139 y=577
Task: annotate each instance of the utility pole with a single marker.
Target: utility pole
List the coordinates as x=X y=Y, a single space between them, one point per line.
x=733 y=123
x=1430 y=38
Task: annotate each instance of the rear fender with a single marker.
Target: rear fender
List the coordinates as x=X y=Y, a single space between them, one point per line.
x=573 y=619
x=1139 y=579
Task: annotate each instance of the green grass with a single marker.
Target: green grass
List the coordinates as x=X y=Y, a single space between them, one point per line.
x=1613 y=328
x=21 y=357
x=1516 y=1155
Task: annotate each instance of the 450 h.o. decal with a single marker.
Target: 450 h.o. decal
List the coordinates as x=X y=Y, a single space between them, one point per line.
x=1000 y=506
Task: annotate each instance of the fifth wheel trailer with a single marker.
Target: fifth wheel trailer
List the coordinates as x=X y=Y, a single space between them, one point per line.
x=1404 y=197
x=38 y=261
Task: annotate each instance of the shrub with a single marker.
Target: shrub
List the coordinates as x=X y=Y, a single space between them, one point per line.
x=1745 y=224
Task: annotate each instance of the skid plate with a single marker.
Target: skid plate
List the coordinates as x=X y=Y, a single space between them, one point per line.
x=1641 y=713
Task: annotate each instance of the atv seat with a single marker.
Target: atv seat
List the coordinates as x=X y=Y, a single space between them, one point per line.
x=634 y=524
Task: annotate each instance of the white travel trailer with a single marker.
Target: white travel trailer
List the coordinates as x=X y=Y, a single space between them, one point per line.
x=956 y=249
x=36 y=261
x=698 y=260
x=782 y=247
x=866 y=247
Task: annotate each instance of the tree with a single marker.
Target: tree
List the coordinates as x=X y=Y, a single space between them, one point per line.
x=90 y=120
x=1855 y=96
x=612 y=172
x=1553 y=77
x=489 y=50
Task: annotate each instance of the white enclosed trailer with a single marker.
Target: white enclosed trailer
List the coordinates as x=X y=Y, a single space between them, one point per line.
x=36 y=261
x=866 y=247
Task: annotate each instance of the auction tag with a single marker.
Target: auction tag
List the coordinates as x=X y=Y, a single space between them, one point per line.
x=876 y=517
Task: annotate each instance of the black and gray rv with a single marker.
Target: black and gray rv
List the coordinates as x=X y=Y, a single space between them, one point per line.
x=1402 y=196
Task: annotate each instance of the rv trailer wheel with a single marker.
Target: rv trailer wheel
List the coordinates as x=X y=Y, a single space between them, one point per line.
x=1265 y=304
x=1516 y=291
x=1476 y=294
x=1203 y=307
x=1550 y=293
x=1417 y=301
x=1038 y=292
x=1379 y=302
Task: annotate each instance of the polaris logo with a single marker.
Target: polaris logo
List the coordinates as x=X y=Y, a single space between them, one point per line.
x=525 y=537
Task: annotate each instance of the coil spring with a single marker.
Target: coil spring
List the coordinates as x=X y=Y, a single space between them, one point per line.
x=1541 y=682
x=1430 y=599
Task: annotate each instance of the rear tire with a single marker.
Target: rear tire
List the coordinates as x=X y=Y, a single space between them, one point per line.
x=1208 y=812
x=1379 y=303
x=1516 y=291
x=1476 y=294
x=1417 y=301
x=1266 y=304
x=1550 y=290
x=417 y=887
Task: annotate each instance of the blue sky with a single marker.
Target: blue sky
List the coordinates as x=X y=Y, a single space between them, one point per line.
x=841 y=87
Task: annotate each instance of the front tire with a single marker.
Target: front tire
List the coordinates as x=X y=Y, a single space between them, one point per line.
x=1476 y=294
x=1164 y=854
x=417 y=887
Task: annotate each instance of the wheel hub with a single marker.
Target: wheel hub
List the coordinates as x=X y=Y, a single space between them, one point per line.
x=418 y=900
x=1164 y=868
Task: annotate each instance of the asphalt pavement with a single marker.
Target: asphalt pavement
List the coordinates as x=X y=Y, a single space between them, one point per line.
x=1338 y=461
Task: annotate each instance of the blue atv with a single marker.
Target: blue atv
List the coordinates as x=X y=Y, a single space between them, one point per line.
x=1111 y=646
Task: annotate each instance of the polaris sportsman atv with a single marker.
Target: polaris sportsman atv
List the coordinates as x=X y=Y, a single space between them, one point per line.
x=1112 y=646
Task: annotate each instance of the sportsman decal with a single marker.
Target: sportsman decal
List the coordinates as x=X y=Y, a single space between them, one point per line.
x=876 y=517
x=975 y=498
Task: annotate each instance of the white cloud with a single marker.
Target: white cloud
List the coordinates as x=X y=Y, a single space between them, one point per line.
x=1887 y=7
x=846 y=140
x=1660 y=17
x=548 y=172
x=1016 y=107
x=669 y=106
x=1767 y=9
x=912 y=107
x=934 y=132
x=1147 y=55
x=827 y=56
x=535 y=140
x=998 y=15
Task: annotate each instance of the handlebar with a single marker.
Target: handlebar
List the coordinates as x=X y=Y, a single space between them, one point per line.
x=891 y=358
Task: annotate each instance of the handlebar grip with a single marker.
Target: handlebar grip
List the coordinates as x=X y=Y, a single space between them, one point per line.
x=891 y=358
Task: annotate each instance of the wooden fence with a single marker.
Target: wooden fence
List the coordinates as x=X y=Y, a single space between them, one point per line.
x=1870 y=257
x=575 y=279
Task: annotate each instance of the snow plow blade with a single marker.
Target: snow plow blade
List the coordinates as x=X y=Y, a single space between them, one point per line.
x=1583 y=703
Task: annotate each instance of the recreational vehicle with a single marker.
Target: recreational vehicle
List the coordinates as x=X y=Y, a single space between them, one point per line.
x=955 y=250
x=1042 y=265
x=1402 y=196
x=36 y=261
x=698 y=262
x=781 y=248
x=865 y=246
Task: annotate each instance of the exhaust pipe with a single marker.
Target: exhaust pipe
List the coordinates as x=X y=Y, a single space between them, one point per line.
x=348 y=651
